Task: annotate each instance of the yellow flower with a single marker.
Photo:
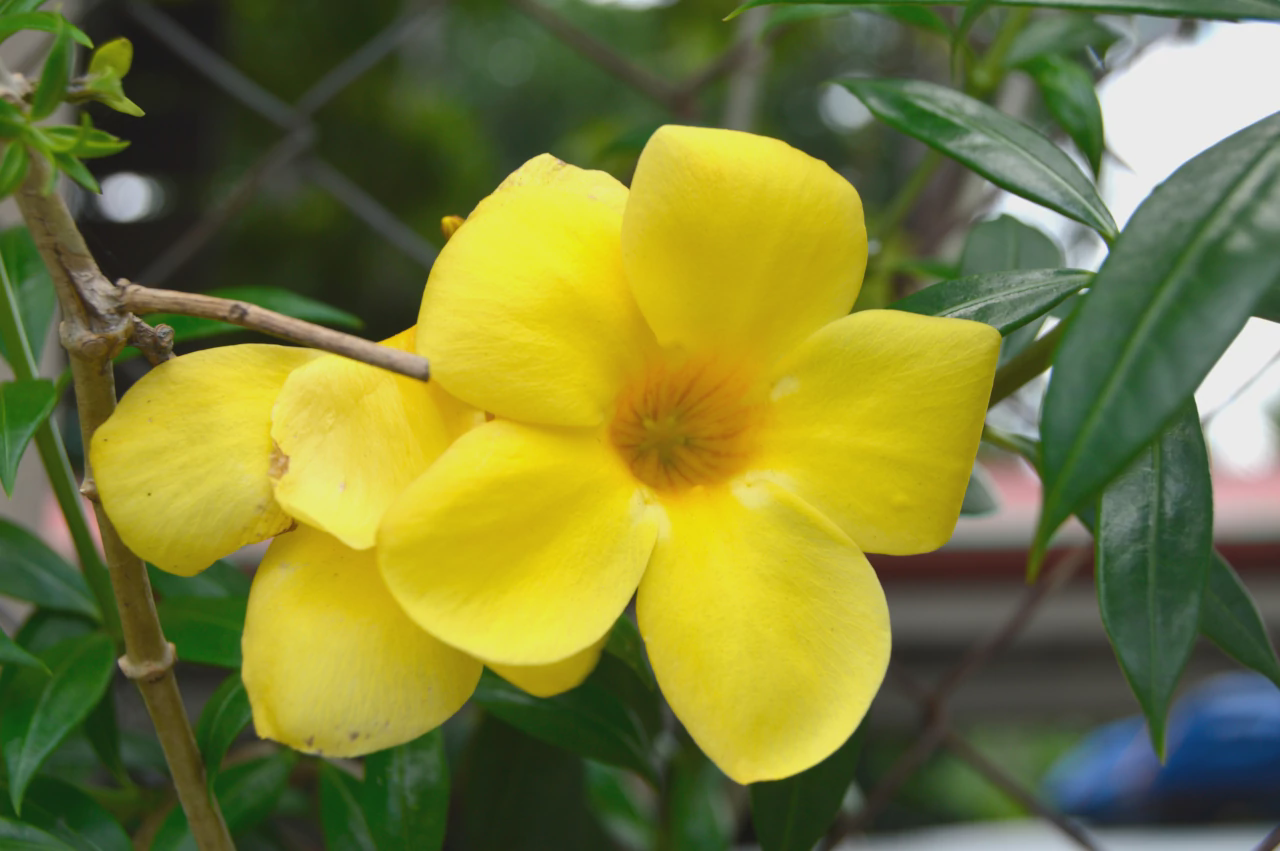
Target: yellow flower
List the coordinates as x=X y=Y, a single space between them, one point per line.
x=230 y=446
x=684 y=407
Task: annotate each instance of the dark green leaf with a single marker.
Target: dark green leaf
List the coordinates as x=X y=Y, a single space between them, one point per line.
x=41 y=709
x=920 y=17
x=340 y=814
x=1230 y=620
x=52 y=88
x=221 y=579
x=1269 y=307
x=979 y=494
x=47 y=627
x=13 y=168
x=30 y=571
x=272 y=298
x=72 y=816
x=225 y=714
x=24 y=406
x=590 y=721
x=16 y=836
x=620 y=804
x=205 y=630
x=1004 y=300
x=1004 y=244
x=1154 y=540
x=30 y=279
x=13 y=122
x=405 y=796
x=1217 y=10
x=103 y=732
x=74 y=169
x=12 y=654
x=1060 y=35
x=49 y=22
x=626 y=644
x=1067 y=89
x=699 y=814
x=1183 y=278
x=793 y=814
x=519 y=794
x=1007 y=152
x=248 y=793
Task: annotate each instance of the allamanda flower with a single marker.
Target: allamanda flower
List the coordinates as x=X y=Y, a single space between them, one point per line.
x=684 y=407
x=230 y=446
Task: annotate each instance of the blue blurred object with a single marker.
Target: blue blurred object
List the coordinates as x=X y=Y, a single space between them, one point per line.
x=1223 y=761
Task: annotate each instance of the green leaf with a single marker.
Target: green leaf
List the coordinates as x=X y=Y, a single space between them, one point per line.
x=13 y=168
x=793 y=814
x=224 y=716
x=1181 y=281
x=12 y=654
x=590 y=720
x=700 y=815
x=35 y=573
x=405 y=796
x=248 y=793
x=24 y=406
x=1067 y=89
x=49 y=22
x=1230 y=620
x=205 y=630
x=52 y=89
x=1004 y=300
x=102 y=730
x=40 y=709
x=221 y=579
x=626 y=644
x=920 y=17
x=1214 y=10
x=1154 y=540
x=626 y=814
x=72 y=816
x=186 y=328
x=1005 y=244
x=1060 y=35
x=16 y=836
x=74 y=169
x=114 y=57
x=34 y=288
x=1010 y=154
x=85 y=141
x=341 y=818
x=979 y=494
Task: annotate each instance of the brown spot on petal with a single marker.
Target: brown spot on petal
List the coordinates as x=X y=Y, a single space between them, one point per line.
x=279 y=464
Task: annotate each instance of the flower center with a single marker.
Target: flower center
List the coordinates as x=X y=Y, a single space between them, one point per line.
x=679 y=425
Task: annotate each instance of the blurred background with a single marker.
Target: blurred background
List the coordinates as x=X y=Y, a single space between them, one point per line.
x=315 y=145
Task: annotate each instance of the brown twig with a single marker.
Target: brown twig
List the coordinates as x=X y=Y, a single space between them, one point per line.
x=94 y=329
x=143 y=300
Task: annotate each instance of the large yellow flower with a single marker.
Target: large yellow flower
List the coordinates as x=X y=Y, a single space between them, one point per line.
x=230 y=446
x=683 y=406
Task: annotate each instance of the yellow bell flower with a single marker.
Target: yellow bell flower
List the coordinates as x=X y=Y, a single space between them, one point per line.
x=230 y=446
x=684 y=407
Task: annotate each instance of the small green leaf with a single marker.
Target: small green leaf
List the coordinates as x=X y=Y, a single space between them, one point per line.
x=24 y=406
x=13 y=122
x=72 y=816
x=30 y=279
x=52 y=89
x=114 y=57
x=626 y=644
x=74 y=169
x=1230 y=620
x=405 y=795
x=920 y=17
x=37 y=574
x=1193 y=262
x=49 y=22
x=224 y=716
x=1007 y=152
x=221 y=579
x=627 y=814
x=16 y=836
x=248 y=793
x=205 y=630
x=1005 y=244
x=1067 y=89
x=1004 y=300
x=979 y=494
x=590 y=720
x=41 y=709
x=186 y=328
x=12 y=654
x=700 y=815
x=1154 y=540
x=13 y=168
x=1214 y=10
x=343 y=822
x=85 y=141
x=793 y=814
x=1060 y=35
x=102 y=730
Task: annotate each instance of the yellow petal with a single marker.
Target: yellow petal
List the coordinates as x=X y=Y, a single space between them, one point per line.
x=739 y=242
x=352 y=436
x=331 y=664
x=520 y=545
x=766 y=628
x=527 y=314
x=546 y=170
x=875 y=422
x=553 y=679
x=182 y=465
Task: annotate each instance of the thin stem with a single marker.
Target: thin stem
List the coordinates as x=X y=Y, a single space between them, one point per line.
x=1030 y=362
x=139 y=299
x=94 y=329
x=53 y=455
